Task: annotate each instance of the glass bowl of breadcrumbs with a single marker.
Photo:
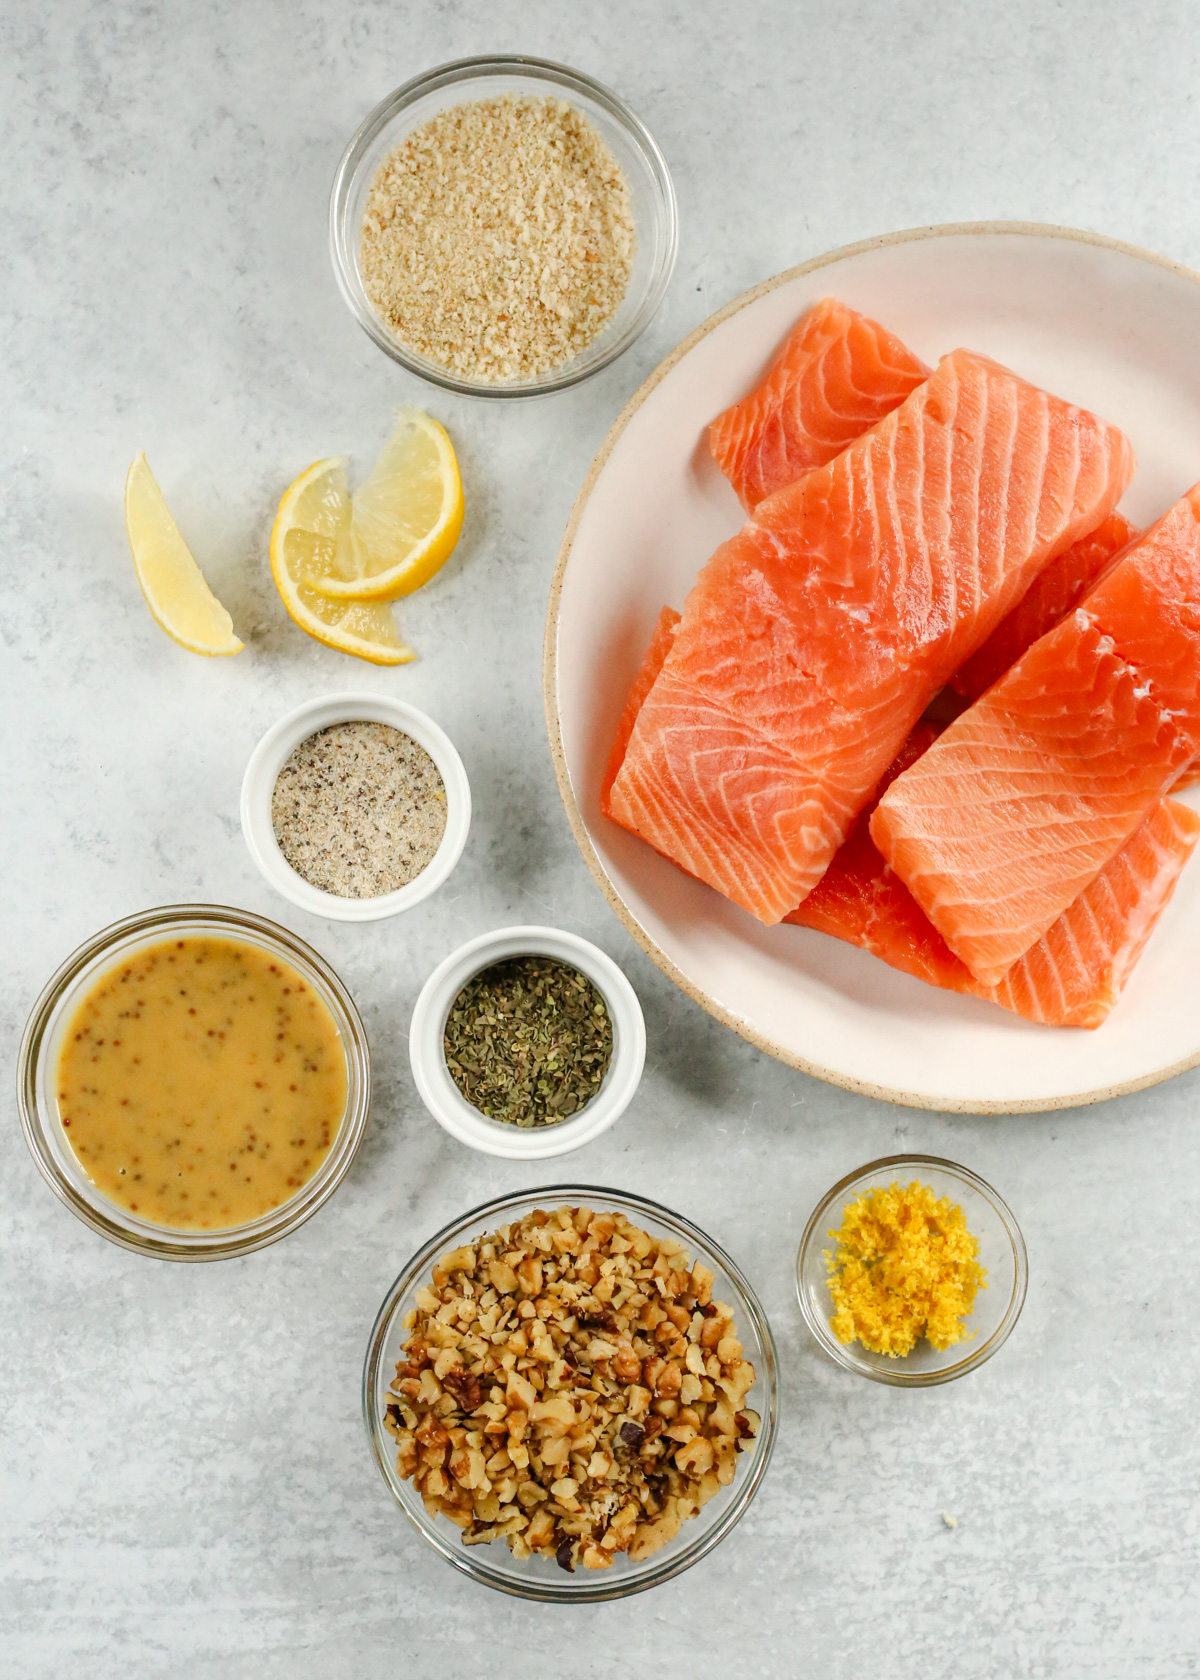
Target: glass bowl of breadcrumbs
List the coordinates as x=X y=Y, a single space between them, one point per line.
x=571 y=1393
x=912 y=1271
x=503 y=227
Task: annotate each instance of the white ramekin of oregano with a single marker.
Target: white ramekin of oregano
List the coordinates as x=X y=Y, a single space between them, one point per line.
x=527 y=1042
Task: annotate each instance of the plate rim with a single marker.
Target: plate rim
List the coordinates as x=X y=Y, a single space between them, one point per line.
x=761 y=1041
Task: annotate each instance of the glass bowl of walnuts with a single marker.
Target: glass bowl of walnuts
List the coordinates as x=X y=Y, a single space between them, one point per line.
x=571 y=1393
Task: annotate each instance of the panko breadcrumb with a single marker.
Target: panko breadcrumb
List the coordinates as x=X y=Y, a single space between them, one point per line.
x=498 y=238
x=905 y=1266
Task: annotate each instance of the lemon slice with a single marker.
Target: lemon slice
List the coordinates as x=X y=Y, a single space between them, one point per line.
x=404 y=518
x=310 y=544
x=181 y=602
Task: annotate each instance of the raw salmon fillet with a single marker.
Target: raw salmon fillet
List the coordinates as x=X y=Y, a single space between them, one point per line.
x=1047 y=601
x=837 y=374
x=1019 y=805
x=1072 y=976
x=812 y=641
x=652 y=664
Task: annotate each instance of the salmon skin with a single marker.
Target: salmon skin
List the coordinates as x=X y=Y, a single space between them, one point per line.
x=837 y=374
x=1072 y=976
x=1019 y=805
x=1047 y=601
x=812 y=641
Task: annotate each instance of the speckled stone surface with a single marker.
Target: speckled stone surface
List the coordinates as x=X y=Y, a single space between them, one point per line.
x=184 y=1483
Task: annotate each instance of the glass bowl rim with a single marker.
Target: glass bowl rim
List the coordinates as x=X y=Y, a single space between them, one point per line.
x=237 y=1239
x=590 y=1587
x=979 y=1354
x=567 y=80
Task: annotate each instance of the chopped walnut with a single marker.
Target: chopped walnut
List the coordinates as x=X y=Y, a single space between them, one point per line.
x=570 y=1386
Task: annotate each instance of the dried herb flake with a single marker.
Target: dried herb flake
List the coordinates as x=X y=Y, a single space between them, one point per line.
x=528 y=1041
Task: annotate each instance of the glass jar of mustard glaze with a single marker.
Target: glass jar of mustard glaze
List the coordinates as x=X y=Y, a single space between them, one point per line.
x=41 y=1049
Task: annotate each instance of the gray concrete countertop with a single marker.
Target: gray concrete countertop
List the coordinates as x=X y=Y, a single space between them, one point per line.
x=184 y=1483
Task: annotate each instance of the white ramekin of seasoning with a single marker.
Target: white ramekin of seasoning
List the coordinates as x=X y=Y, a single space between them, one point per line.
x=273 y=752
x=442 y=1096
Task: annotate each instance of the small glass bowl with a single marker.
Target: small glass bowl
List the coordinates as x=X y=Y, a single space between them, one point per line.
x=52 y=1013
x=538 y=1578
x=273 y=752
x=1001 y=1252
x=467 y=79
x=444 y=1100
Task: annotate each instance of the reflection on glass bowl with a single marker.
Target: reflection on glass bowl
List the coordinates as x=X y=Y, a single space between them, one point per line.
x=537 y=1577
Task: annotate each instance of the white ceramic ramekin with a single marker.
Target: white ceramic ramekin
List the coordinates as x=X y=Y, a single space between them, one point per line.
x=273 y=752
x=446 y=1102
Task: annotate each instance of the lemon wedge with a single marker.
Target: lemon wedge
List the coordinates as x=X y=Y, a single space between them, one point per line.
x=310 y=545
x=181 y=602
x=405 y=517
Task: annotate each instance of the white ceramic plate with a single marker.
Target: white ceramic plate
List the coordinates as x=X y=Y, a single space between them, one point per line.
x=1103 y=324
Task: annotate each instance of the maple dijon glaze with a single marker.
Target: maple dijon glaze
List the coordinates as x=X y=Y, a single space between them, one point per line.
x=201 y=1083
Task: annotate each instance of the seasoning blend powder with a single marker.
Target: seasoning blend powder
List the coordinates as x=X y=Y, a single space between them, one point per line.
x=359 y=809
x=528 y=1041
x=498 y=238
